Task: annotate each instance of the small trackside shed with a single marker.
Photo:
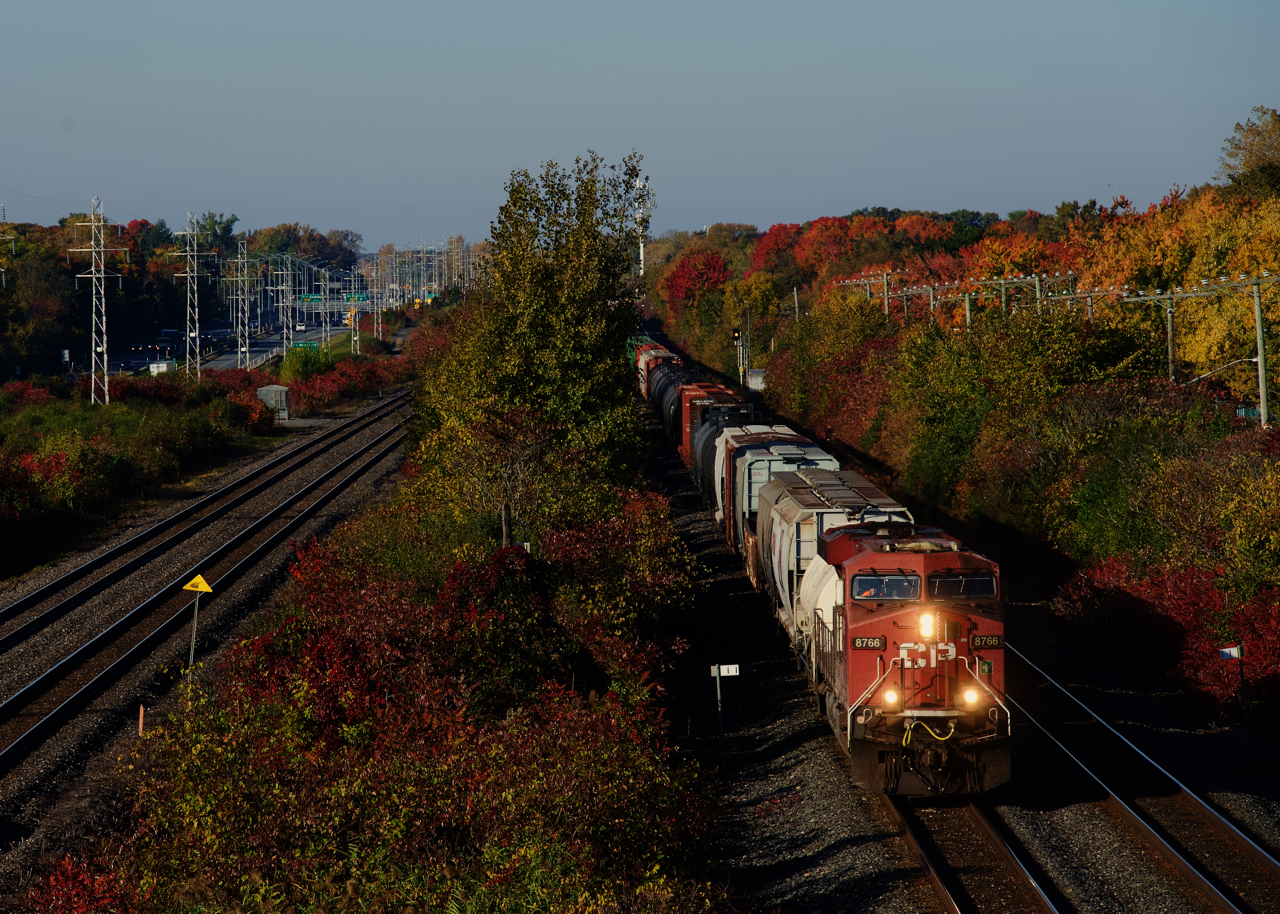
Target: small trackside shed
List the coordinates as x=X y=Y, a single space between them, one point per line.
x=277 y=397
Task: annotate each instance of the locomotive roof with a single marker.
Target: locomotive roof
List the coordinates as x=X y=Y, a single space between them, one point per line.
x=876 y=541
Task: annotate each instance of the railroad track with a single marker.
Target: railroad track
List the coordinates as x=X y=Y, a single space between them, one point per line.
x=1230 y=870
x=971 y=864
x=74 y=676
x=41 y=608
x=975 y=864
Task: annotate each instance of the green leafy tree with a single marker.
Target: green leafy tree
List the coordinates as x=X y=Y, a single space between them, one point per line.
x=218 y=231
x=545 y=341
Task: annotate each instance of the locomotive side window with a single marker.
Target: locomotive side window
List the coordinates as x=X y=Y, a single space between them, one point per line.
x=886 y=587
x=962 y=587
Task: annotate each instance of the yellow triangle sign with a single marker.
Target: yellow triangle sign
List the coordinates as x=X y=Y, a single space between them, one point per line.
x=198 y=584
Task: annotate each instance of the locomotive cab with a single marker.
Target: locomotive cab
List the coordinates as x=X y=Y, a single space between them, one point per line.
x=909 y=651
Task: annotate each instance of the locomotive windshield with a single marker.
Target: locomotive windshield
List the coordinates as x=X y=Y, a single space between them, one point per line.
x=962 y=587
x=886 y=587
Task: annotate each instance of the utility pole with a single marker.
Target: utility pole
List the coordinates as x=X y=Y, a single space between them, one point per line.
x=98 y=384
x=191 y=251
x=1264 y=415
x=1206 y=289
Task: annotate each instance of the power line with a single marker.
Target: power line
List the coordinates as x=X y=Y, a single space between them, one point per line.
x=77 y=200
x=45 y=199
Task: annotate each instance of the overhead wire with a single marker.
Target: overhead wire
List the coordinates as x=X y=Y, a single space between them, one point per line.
x=77 y=200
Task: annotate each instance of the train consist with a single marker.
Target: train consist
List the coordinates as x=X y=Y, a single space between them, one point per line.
x=897 y=625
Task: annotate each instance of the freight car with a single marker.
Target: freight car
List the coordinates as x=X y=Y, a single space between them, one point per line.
x=897 y=626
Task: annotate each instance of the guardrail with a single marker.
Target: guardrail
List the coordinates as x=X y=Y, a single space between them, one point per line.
x=265 y=357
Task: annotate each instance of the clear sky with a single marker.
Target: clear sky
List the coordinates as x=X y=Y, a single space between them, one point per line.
x=401 y=120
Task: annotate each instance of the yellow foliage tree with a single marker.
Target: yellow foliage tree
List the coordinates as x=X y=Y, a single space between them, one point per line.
x=1175 y=246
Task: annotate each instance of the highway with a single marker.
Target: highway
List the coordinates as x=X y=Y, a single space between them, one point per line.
x=262 y=345
x=137 y=362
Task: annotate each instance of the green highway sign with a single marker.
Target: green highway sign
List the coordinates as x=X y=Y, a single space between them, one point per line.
x=357 y=296
x=306 y=344
x=312 y=299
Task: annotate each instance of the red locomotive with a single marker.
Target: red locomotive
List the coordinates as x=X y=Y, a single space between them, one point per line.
x=898 y=626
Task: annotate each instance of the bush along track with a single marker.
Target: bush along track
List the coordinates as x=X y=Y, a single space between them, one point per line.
x=67 y=465
x=433 y=717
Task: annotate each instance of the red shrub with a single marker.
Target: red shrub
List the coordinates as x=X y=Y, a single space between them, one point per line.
x=75 y=888
x=250 y=413
x=25 y=393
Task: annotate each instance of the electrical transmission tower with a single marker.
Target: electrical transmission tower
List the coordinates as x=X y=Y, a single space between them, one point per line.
x=324 y=307
x=241 y=296
x=98 y=371
x=191 y=272
x=285 y=302
x=354 y=312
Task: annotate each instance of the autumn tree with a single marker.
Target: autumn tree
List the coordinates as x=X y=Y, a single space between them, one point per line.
x=923 y=231
x=1251 y=157
x=689 y=284
x=340 y=247
x=754 y=298
x=833 y=246
x=541 y=349
x=1058 y=226
x=38 y=313
x=776 y=253
x=733 y=241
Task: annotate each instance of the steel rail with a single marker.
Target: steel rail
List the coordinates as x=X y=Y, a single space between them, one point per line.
x=11 y=754
x=936 y=872
x=1006 y=850
x=1246 y=843
x=97 y=586
x=1188 y=867
x=328 y=440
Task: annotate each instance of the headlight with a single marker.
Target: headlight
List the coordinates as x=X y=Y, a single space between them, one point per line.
x=926 y=625
x=970 y=696
x=891 y=697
